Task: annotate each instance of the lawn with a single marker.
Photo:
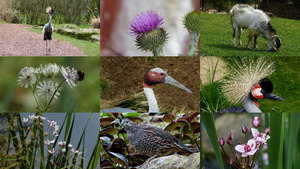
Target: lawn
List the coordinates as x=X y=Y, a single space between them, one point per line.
x=216 y=38
x=88 y=48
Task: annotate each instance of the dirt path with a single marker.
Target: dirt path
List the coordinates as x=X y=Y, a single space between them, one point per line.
x=16 y=40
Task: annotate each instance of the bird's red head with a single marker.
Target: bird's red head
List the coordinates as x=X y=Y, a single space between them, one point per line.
x=263 y=90
x=51 y=12
x=154 y=76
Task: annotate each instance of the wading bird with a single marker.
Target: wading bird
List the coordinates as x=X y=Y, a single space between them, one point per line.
x=247 y=82
x=48 y=29
x=152 y=77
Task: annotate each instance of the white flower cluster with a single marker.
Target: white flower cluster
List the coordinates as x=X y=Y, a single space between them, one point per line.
x=43 y=83
x=50 y=141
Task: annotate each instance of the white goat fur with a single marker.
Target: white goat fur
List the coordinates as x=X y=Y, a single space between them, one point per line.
x=258 y=23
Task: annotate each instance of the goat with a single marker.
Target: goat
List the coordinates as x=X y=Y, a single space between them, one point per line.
x=246 y=17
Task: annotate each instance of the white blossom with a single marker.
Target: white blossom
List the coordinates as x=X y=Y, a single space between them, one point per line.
x=55 y=133
x=50 y=70
x=25 y=120
x=32 y=117
x=51 y=151
x=49 y=142
x=47 y=89
x=27 y=77
x=70 y=74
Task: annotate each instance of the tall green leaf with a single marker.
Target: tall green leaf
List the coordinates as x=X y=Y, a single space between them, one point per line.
x=275 y=144
x=294 y=132
x=208 y=121
x=96 y=155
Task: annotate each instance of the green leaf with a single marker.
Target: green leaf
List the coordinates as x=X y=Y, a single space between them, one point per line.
x=293 y=133
x=122 y=159
x=95 y=156
x=208 y=121
x=275 y=143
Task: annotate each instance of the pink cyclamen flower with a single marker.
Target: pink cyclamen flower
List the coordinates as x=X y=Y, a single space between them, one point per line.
x=247 y=149
x=259 y=137
x=145 y=22
x=256 y=122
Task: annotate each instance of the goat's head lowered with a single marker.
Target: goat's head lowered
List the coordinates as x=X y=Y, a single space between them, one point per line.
x=276 y=43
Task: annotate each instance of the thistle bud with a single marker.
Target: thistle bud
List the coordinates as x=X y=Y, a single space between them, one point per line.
x=244 y=129
x=221 y=141
x=267 y=131
x=229 y=141
x=230 y=136
x=256 y=122
x=192 y=21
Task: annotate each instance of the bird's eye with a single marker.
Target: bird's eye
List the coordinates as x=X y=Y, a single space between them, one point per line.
x=161 y=74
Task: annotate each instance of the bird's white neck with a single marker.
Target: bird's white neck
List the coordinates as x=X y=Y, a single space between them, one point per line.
x=153 y=106
x=50 y=19
x=249 y=106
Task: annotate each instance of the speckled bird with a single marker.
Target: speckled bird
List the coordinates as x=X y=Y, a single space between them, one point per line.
x=152 y=141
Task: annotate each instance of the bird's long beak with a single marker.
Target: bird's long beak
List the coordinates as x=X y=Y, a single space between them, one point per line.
x=171 y=81
x=272 y=96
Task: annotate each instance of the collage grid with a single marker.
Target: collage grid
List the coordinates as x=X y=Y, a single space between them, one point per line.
x=149 y=84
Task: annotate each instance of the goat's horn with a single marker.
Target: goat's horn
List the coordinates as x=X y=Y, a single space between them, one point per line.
x=274 y=36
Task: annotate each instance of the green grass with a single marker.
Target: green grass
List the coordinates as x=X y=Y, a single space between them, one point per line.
x=286 y=82
x=88 y=48
x=216 y=38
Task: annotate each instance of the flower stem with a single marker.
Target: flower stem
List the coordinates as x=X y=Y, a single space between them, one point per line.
x=194 y=43
x=158 y=51
x=47 y=107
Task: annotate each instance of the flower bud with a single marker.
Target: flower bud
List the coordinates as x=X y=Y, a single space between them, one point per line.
x=229 y=141
x=221 y=141
x=230 y=136
x=244 y=129
x=267 y=131
x=230 y=161
x=256 y=122
x=192 y=21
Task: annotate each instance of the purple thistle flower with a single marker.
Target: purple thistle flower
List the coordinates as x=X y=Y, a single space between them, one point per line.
x=145 y=22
